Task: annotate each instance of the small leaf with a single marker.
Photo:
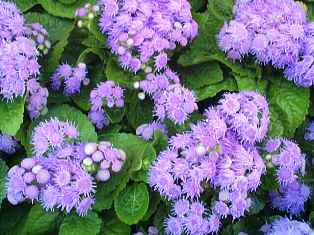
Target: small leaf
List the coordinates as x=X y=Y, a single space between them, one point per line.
x=3 y=179
x=11 y=115
x=132 y=203
x=113 y=226
x=117 y=74
x=75 y=225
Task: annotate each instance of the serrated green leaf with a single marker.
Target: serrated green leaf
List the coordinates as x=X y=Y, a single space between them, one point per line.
x=117 y=74
x=55 y=26
x=288 y=107
x=3 y=176
x=202 y=75
x=11 y=115
x=113 y=226
x=75 y=225
x=39 y=221
x=132 y=203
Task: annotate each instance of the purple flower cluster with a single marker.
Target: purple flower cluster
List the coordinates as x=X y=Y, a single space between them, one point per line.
x=8 y=144
x=101 y=159
x=105 y=94
x=40 y=36
x=286 y=156
x=283 y=226
x=146 y=131
x=65 y=176
x=37 y=98
x=72 y=78
x=271 y=30
x=18 y=53
x=309 y=132
x=190 y=216
x=218 y=153
x=152 y=230
x=52 y=134
x=55 y=183
x=140 y=30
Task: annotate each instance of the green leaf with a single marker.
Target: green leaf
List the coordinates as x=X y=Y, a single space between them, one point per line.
x=55 y=26
x=256 y=206
x=57 y=8
x=113 y=226
x=202 y=75
x=25 y=5
x=11 y=115
x=138 y=111
x=115 y=73
x=132 y=203
x=135 y=148
x=288 y=107
x=39 y=221
x=210 y=23
x=75 y=225
x=212 y=90
x=3 y=179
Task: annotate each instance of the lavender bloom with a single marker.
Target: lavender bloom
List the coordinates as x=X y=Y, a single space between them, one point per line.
x=283 y=226
x=174 y=103
x=152 y=230
x=291 y=198
x=212 y=154
x=37 y=99
x=247 y=114
x=146 y=131
x=272 y=31
x=288 y=159
x=11 y=21
x=142 y=30
x=102 y=159
x=86 y=14
x=39 y=35
x=309 y=133
x=8 y=144
x=72 y=78
x=52 y=134
x=18 y=63
x=189 y=217
x=108 y=94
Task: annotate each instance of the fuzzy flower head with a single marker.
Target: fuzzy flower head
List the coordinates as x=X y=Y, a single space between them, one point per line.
x=309 y=133
x=141 y=31
x=18 y=63
x=106 y=94
x=272 y=31
x=146 y=131
x=39 y=35
x=72 y=78
x=291 y=198
x=283 y=226
x=37 y=98
x=51 y=135
x=175 y=103
x=8 y=144
x=247 y=114
x=286 y=156
x=11 y=21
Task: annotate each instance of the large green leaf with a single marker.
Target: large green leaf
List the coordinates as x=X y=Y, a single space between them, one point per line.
x=288 y=106
x=11 y=115
x=25 y=5
x=209 y=23
x=75 y=225
x=3 y=179
x=55 y=26
x=132 y=203
x=39 y=221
